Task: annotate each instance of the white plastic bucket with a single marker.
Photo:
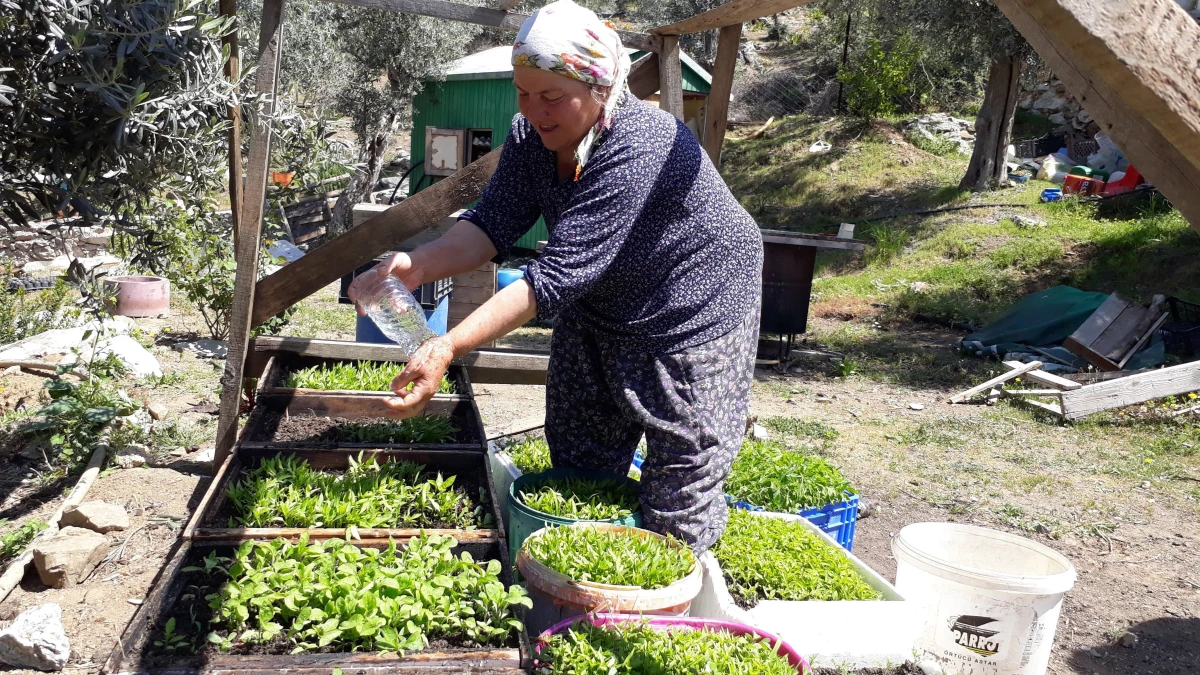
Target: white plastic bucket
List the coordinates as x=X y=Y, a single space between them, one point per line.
x=989 y=600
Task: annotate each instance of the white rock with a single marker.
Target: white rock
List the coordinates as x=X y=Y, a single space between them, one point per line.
x=916 y=406
x=760 y=432
x=133 y=455
x=61 y=340
x=36 y=639
x=930 y=667
x=1027 y=222
x=205 y=349
x=1057 y=118
x=140 y=362
x=96 y=516
x=68 y=557
x=158 y=411
x=12 y=370
x=1049 y=100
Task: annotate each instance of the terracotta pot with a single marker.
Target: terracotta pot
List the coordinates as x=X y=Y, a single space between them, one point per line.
x=282 y=178
x=139 y=296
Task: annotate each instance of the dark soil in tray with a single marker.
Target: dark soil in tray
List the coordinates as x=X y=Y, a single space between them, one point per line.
x=326 y=432
x=467 y=483
x=908 y=668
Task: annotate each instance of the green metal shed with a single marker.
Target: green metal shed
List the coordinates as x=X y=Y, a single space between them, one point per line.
x=461 y=118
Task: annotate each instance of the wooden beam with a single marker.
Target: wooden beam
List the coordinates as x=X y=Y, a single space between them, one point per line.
x=484 y=16
x=361 y=244
x=670 y=77
x=737 y=11
x=1131 y=390
x=1048 y=379
x=1132 y=65
x=643 y=76
x=270 y=48
x=999 y=379
x=717 y=115
x=233 y=71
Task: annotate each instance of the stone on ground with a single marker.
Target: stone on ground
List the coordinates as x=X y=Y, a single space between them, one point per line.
x=96 y=516
x=158 y=411
x=36 y=639
x=67 y=558
x=133 y=455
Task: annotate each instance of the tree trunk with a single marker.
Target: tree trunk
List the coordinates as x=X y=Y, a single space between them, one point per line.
x=365 y=178
x=993 y=127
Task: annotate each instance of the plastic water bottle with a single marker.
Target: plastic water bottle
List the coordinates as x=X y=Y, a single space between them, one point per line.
x=395 y=311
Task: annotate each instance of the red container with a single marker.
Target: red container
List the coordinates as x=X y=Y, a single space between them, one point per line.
x=1082 y=185
x=139 y=296
x=1126 y=183
x=667 y=622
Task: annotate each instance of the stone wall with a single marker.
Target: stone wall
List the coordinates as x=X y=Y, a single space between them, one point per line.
x=36 y=242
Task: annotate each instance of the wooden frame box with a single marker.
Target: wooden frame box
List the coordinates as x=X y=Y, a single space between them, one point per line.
x=209 y=522
x=283 y=364
x=135 y=651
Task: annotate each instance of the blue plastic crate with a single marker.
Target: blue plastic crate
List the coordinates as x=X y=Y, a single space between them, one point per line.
x=836 y=520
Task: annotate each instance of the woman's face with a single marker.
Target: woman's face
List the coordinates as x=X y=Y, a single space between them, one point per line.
x=562 y=109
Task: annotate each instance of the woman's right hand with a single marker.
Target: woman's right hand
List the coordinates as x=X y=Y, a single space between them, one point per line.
x=399 y=265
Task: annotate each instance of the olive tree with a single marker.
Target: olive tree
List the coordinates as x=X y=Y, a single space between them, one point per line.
x=392 y=54
x=105 y=104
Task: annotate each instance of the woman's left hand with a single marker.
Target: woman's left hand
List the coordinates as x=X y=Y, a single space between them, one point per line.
x=424 y=371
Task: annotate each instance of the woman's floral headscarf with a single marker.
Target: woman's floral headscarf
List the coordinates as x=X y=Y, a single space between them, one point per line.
x=570 y=40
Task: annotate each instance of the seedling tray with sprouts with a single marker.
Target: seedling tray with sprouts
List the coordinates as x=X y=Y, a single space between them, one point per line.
x=313 y=376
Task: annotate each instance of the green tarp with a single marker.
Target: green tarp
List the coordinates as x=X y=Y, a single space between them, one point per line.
x=1040 y=322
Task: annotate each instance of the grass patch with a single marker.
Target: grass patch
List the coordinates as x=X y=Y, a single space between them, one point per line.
x=13 y=542
x=582 y=498
x=586 y=649
x=358 y=376
x=419 y=429
x=621 y=558
x=769 y=476
x=331 y=596
x=792 y=426
x=284 y=491
x=765 y=558
x=531 y=455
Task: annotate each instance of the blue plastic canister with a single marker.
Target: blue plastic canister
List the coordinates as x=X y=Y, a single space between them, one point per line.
x=1052 y=195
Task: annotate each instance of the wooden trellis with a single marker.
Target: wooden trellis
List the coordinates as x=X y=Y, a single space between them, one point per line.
x=256 y=301
x=1131 y=63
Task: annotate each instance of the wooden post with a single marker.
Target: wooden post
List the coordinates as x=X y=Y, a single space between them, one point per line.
x=270 y=45
x=670 y=77
x=717 y=116
x=1132 y=65
x=734 y=11
x=233 y=70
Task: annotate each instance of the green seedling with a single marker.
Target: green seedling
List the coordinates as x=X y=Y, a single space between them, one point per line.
x=586 y=649
x=767 y=558
x=769 y=476
x=13 y=542
x=531 y=455
x=622 y=558
x=332 y=596
x=420 y=429
x=582 y=498
x=285 y=491
x=358 y=376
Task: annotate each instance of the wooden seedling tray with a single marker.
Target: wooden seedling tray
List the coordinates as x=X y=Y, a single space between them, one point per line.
x=209 y=523
x=283 y=364
x=271 y=409
x=135 y=651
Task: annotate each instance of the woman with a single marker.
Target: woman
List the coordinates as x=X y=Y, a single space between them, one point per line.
x=652 y=275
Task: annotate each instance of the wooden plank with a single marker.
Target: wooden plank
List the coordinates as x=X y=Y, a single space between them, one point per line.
x=716 y=116
x=1033 y=392
x=1132 y=390
x=735 y=12
x=238 y=534
x=362 y=244
x=484 y=277
x=469 y=295
x=999 y=379
x=1123 y=333
x=1081 y=342
x=361 y=351
x=813 y=240
x=484 y=16
x=1052 y=408
x=1049 y=379
x=1132 y=67
x=228 y=467
x=643 y=76
x=670 y=77
x=270 y=47
x=1137 y=347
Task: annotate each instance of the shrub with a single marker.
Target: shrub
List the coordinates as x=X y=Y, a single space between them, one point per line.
x=879 y=77
x=586 y=649
x=766 y=558
x=769 y=476
x=27 y=313
x=582 y=499
x=79 y=412
x=13 y=542
x=285 y=491
x=332 y=596
x=618 y=558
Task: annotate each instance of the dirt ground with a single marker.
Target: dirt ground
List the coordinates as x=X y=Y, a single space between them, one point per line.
x=1126 y=516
